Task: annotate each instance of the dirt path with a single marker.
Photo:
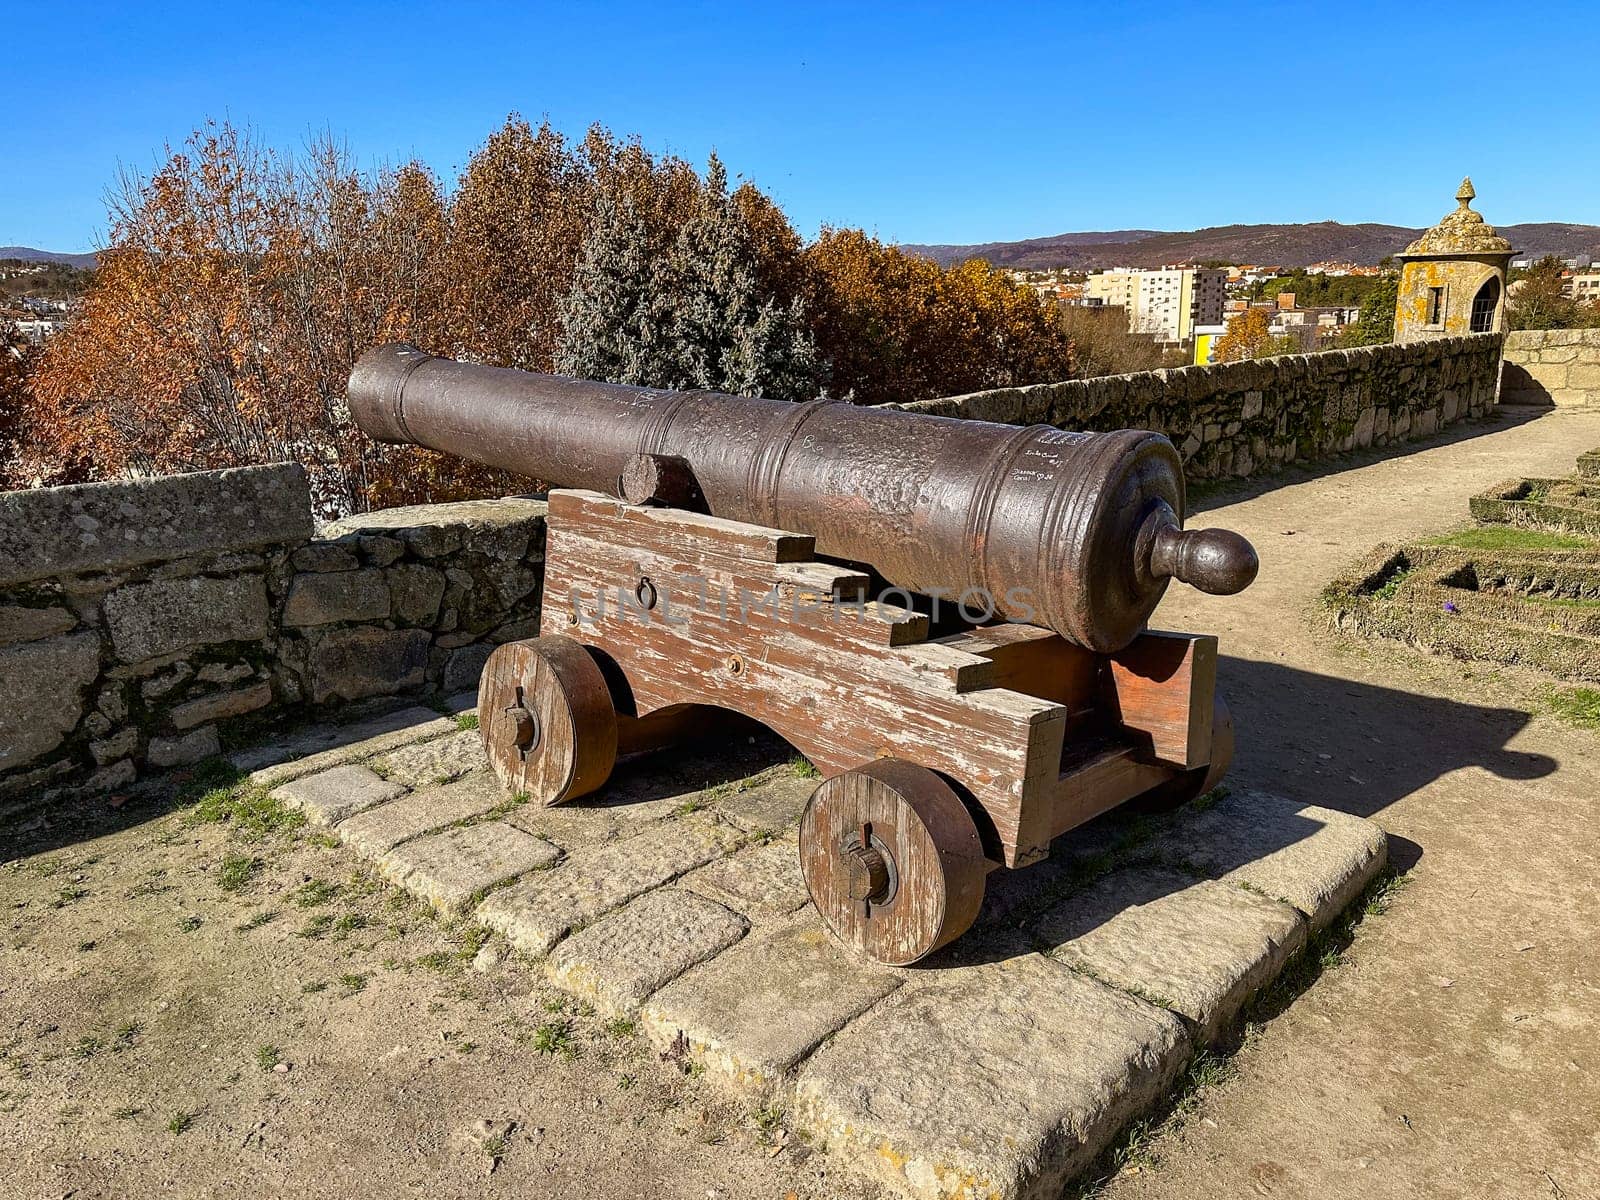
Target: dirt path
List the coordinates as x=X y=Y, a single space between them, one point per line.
x=154 y=969
x=157 y=967
x=1456 y=1051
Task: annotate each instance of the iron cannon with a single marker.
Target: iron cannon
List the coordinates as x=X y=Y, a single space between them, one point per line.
x=1076 y=532
x=948 y=749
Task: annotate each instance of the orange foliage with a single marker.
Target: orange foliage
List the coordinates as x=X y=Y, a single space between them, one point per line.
x=1246 y=336
x=239 y=287
x=898 y=328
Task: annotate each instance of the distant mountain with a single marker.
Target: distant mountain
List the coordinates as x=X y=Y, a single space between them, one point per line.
x=29 y=254
x=1273 y=245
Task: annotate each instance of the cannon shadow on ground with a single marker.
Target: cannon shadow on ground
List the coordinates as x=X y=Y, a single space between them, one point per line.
x=1357 y=747
x=1311 y=739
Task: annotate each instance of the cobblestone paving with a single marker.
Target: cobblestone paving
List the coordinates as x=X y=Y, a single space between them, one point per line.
x=1000 y=1067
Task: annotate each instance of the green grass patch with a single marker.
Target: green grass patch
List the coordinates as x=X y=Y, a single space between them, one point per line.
x=505 y=807
x=554 y=1037
x=317 y=927
x=1578 y=706
x=313 y=893
x=436 y=960
x=1391 y=585
x=1564 y=602
x=237 y=870
x=249 y=812
x=803 y=767
x=1508 y=537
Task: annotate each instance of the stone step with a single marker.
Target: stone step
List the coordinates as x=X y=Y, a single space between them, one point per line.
x=1316 y=859
x=436 y=761
x=319 y=747
x=760 y=881
x=538 y=912
x=377 y=830
x=330 y=796
x=1196 y=947
x=1000 y=1080
x=753 y=1012
x=452 y=869
x=621 y=959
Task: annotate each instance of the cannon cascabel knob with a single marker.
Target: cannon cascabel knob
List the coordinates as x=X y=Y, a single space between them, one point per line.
x=1217 y=561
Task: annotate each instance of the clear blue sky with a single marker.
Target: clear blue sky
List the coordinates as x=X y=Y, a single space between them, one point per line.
x=936 y=122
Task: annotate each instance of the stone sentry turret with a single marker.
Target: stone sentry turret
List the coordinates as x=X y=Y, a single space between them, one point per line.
x=1453 y=277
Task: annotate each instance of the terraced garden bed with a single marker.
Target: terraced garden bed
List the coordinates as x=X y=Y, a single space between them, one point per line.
x=1571 y=504
x=1495 y=595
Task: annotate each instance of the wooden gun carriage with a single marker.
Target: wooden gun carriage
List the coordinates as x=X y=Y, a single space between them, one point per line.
x=952 y=738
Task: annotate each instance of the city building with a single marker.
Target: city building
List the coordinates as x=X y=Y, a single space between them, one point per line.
x=1453 y=277
x=1582 y=287
x=1166 y=304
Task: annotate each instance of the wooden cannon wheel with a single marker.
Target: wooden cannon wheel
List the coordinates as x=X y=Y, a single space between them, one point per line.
x=892 y=860
x=547 y=719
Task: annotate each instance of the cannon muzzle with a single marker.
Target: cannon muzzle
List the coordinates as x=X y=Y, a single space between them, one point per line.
x=1077 y=532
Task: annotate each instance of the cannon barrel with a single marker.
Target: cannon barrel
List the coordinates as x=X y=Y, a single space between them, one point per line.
x=1077 y=532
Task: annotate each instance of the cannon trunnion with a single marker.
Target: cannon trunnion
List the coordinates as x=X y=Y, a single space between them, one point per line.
x=718 y=554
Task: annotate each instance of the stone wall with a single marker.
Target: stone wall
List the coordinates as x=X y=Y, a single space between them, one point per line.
x=1552 y=366
x=142 y=621
x=1238 y=419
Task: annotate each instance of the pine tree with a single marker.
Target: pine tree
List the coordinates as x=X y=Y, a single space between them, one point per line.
x=730 y=336
x=617 y=322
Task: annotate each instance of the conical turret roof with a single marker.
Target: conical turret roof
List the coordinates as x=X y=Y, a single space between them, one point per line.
x=1460 y=232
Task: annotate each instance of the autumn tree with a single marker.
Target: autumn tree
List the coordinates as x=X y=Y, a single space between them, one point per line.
x=235 y=294
x=895 y=327
x=1103 y=345
x=239 y=286
x=15 y=368
x=518 y=220
x=1247 y=336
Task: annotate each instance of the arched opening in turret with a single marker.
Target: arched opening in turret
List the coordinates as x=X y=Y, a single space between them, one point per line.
x=1484 y=305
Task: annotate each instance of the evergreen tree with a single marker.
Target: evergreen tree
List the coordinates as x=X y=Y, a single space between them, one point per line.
x=1374 y=325
x=730 y=335
x=617 y=322
x=684 y=309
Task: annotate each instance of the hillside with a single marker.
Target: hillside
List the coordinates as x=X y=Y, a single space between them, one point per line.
x=29 y=254
x=1281 y=245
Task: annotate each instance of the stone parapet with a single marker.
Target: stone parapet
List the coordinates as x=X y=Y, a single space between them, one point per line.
x=1552 y=366
x=1232 y=420
x=143 y=621
x=112 y=526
